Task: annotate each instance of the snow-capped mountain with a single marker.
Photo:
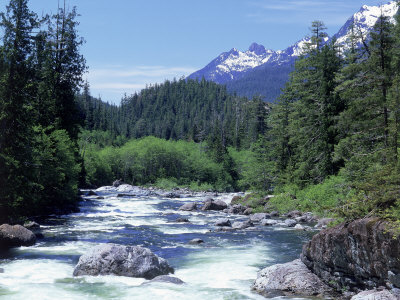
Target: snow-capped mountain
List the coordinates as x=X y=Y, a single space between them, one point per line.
x=240 y=70
x=234 y=64
x=365 y=19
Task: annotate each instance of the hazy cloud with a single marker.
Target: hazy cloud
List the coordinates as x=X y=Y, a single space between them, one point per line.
x=298 y=11
x=112 y=82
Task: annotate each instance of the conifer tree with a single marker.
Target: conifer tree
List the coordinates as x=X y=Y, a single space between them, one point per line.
x=16 y=94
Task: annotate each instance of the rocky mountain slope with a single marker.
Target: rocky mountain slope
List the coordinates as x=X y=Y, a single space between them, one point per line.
x=260 y=71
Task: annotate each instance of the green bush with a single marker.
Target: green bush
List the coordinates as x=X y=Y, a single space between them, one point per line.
x=322 y=199
x=152 y=160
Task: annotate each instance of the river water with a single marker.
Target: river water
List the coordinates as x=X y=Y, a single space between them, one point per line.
x=224 y=267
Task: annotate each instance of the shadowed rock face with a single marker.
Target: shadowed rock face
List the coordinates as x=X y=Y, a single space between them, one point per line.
x=292 y=278
x=131 y=261
x=361 y=254
x=15 y=236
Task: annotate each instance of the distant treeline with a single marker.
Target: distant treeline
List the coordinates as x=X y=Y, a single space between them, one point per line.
x=179 y=110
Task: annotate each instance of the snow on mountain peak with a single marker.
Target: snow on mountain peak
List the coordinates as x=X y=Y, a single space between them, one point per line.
x=365 y=19
x=234 y=64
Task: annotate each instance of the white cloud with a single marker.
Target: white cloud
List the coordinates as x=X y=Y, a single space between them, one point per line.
x=333 y=13
x=112 y=82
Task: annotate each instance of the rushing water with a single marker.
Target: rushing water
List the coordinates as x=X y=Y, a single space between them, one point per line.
x=224 y=267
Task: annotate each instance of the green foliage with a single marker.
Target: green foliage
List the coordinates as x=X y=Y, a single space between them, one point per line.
x=153 y=160
x=322 y=199
x=56 y=172
x=166 y=183
x=40 y=72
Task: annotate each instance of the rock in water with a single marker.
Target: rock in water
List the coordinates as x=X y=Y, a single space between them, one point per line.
x=188 y=206
x=166 y=279
x=32 y=225
x=214 y=205
x=182 y=220
x=258 y=217
x=117 y=183
x=196 y=242
x=269 y=222
x=292 y=278
x=15 y=236
x=242 y=225
x=223 y=222
x=290 y=223
x=131 y=261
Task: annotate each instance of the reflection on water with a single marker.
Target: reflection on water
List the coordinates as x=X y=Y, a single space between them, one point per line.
x=224 y=267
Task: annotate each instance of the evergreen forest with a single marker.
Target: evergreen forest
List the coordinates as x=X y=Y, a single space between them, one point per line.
x=329 y=143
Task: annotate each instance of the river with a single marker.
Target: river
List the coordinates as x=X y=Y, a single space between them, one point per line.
x=223 y=267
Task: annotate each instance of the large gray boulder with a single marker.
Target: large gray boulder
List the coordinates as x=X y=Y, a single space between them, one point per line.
x=359 y=255
x=15 y=236
x=211 y=204
x=131 y=261
x=292 y=278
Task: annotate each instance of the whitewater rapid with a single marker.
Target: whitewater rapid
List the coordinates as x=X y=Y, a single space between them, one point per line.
x=224 y=267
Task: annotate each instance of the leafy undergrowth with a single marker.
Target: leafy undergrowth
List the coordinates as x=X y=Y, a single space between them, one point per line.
x=322 y=199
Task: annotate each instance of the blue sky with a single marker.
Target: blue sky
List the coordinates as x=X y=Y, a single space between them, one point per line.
x=131 y=43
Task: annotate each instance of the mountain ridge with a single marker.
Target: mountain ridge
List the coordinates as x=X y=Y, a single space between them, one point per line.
x=245 y=72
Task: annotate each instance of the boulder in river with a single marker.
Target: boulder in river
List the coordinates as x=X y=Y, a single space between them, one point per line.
x=32 y=225
x=292 y=278
x=131 y=261
x=117 y=183
x=15 y=236
x=299 y=227
x=362 y=254
x=290 y=223
x=182 y=220
x=165 y=279
x=236 y=209
x=242 y=225
x=196 y=242
x=223 y=223
x=259 y=216
x=188 y=206
x=211 y=204
x=172 y=195
x=269 y=222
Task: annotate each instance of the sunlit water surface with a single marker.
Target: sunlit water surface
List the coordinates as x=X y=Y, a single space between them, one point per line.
x=224 y=267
